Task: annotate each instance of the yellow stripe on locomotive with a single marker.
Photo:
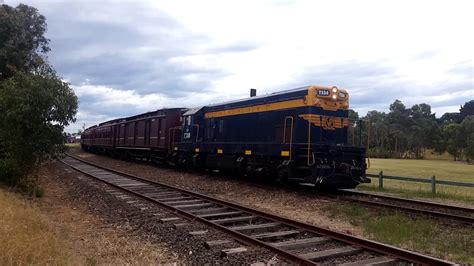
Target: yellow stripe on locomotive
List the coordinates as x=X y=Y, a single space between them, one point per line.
x=328 y=98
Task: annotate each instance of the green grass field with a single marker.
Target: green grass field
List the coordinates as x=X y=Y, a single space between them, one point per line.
x=442 y=169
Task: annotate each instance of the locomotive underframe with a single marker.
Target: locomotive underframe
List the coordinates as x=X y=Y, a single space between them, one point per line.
x=330 y=166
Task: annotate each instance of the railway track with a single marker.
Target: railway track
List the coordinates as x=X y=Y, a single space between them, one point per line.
x=432 y=209
x=294 y=241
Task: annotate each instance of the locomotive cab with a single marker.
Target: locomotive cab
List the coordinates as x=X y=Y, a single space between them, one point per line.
x=190 y=126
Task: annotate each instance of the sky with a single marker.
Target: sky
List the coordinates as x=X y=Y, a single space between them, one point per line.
x=127 y=57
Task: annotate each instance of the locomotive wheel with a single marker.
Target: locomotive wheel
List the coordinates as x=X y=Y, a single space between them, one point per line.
x=283 y=175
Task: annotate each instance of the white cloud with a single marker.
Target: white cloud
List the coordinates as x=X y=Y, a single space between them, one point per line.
x=106 y=103
x=423 y=47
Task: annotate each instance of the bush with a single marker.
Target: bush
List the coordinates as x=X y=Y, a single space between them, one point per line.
x=35 y=103
x=10 y=171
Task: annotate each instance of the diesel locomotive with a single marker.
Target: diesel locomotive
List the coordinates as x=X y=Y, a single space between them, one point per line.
x=298 y=135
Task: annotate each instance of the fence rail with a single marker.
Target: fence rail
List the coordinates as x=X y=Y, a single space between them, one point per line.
x=431 y=181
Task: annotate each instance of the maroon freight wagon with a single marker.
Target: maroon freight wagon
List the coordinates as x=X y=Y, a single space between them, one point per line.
x=148 y=135
x=99 y=137
x=87 y=137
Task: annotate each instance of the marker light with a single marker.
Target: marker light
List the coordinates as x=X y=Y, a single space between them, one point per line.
x=342 y=95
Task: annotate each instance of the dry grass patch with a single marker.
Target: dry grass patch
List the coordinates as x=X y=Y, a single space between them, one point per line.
x=55 y=231
x=27 y=237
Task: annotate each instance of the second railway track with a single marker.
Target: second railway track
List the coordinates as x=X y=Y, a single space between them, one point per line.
x=295 y=241
x=432 y=209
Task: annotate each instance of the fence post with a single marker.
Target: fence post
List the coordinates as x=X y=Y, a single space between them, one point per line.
x=433 y=184
x=381 y=180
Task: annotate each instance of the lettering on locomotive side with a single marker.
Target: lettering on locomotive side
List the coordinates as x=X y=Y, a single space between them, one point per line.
x=326 y=122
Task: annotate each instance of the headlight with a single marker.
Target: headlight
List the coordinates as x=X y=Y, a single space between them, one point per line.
x=334 y=89
x=334 y=97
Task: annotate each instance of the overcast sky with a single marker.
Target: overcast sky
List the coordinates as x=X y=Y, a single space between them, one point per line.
x=127 y=57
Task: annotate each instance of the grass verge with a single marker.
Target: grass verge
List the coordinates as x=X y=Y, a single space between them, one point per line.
x=27 y=238
x=443 y=170
x=414 y=233
x=441 y=193
x=73 y=145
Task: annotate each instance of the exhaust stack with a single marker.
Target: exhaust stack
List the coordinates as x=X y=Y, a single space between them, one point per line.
x=253 y=92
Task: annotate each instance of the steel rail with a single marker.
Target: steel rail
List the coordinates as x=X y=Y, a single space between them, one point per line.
x=392 y=251
x=236 y=235
x=346 y=195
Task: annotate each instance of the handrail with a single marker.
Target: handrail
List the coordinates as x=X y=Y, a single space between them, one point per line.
x=197 y=131
x=171 y=140
x=291 y=133
x=309 y=143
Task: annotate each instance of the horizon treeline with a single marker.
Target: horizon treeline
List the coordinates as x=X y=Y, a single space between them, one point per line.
x=410 y=132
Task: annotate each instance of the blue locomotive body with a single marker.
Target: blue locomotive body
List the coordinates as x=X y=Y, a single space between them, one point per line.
x=295 y=135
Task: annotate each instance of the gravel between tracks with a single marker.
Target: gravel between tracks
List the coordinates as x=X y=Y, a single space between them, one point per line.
x=267 y=197
x=141 y=219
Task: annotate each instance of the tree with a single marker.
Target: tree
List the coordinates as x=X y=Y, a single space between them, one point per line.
x=468 y=131
x=22 y=41
x=449 y=118
x=378 y=132
x=399 y=124
x=35 y=103
x=466 y=110
x=403 y=132
x=353 y=115
x=423 y=130
x=352 y=132
x=454 y=140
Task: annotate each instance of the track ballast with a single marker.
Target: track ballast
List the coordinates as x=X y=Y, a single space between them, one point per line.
x=293 y=240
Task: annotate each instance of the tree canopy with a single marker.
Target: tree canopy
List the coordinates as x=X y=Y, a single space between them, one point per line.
x=408 y=132
x=466 y=110
x=35 y=103
x=22 y=41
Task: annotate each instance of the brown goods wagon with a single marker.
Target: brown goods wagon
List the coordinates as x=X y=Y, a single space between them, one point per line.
x=150 y=131
x=103 y=136
x=87 y=137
